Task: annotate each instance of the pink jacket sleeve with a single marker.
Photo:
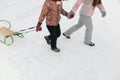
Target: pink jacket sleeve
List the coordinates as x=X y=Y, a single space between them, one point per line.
x=76 y=5
x=101 y=7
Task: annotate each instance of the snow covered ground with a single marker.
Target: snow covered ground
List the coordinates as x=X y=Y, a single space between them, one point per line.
x=30 y=58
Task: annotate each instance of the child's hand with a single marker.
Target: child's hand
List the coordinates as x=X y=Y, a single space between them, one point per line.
x=70 y=15
x=38 y=27
x=103 y=14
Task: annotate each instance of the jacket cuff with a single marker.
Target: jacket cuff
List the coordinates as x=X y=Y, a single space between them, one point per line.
x=66 y=13
x=39 y=23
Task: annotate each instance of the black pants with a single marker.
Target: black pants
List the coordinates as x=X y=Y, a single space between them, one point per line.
x=55 y=32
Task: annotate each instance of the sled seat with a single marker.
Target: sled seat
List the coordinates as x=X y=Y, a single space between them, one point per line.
x=6 y=31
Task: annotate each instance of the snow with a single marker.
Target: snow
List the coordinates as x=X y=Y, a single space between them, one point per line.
x=30 y=58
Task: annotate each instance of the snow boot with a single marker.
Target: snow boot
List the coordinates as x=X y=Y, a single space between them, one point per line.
x=55 y=49
x=47 y=40
x=90 y=44
x=68 y=37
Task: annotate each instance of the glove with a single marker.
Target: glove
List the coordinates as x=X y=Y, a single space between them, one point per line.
x=70 y=15
x=38 y=27
x=103 y=14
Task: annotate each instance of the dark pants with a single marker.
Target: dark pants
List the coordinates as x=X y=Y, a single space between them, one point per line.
x=55 y=32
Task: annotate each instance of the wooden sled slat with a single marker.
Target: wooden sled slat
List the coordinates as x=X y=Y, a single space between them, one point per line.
x=6 y=32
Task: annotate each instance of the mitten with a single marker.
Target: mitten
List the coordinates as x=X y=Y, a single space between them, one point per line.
x=38 y=27
x=70 y=15
x=103 y=14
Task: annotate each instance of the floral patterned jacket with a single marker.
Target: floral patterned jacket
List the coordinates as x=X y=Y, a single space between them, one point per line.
x=52 y=10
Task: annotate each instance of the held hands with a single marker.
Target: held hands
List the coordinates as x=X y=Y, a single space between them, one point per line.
x=70 y=15
x=103 y=14
x=38 y=27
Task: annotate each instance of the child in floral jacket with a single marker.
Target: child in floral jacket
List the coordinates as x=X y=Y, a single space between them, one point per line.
x=51 y=10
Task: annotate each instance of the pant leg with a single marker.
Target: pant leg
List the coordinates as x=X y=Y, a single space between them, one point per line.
x=74 y=27
x=58 y=30
x=89 y=28
x=54 y=33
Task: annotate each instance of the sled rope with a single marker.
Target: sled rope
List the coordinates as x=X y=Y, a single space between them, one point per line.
x=27 y=30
